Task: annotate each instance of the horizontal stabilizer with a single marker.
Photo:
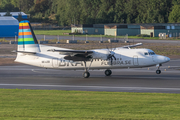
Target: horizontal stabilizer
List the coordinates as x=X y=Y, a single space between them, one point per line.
x=23 y=52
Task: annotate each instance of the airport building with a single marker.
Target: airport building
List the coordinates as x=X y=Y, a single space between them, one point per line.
x=15 y=14
x=8 y=26
x=153 y=30
x=170 y=29
x=121 y=30
x=96 y=29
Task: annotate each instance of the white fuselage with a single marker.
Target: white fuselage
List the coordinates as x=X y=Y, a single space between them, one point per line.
x=125 y=58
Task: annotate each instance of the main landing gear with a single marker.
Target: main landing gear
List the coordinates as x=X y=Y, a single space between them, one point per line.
x=108 y=72
x=158 y=71
x=86 y=74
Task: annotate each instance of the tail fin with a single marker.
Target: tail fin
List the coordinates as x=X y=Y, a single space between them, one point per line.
x=27 y=41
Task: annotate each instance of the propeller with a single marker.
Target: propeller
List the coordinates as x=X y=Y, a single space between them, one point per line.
x=111 y=54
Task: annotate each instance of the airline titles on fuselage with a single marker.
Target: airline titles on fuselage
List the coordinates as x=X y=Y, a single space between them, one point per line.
x=102 y=62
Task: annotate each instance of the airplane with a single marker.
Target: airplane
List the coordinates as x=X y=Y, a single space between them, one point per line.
x=31 y=53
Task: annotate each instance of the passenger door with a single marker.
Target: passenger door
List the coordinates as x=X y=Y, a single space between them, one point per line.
x=135 y=60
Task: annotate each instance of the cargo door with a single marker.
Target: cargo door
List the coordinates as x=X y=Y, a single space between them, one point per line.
x=55 y=63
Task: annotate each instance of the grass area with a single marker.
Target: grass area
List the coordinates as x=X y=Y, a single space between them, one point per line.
x=51 y=32
x=3 y=40
x=75 y=105
x=165 y=49
x=60 y=32
x=136 y=37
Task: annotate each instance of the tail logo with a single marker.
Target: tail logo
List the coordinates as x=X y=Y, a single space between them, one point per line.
x=27 y=40
x=25 y=34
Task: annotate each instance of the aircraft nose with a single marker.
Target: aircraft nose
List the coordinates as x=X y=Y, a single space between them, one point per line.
x=163 y=59
x=167 y=59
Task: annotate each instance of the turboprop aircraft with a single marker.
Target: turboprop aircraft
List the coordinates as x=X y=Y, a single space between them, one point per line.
x=32 y=53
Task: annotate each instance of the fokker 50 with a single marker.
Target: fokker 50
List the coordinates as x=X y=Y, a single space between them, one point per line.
x=30 y=52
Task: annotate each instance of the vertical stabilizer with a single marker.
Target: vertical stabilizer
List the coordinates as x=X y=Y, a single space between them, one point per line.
x=26 y=39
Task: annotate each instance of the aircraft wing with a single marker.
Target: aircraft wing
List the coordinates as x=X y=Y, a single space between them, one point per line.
x=75 y=55
x=130 y=46
x=72 y=52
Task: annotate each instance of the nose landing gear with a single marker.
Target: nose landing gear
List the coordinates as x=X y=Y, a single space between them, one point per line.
x=158 y=71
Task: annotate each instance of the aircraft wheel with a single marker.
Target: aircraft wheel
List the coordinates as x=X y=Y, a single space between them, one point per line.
x=86 y=74
x=158 y=71
x=108 y=72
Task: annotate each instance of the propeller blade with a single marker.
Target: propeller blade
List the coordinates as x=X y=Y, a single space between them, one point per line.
x=111 y=46
x=114 y=49
x=107 y=48
x=114 y=57
x=111 y=60
x=109 y=56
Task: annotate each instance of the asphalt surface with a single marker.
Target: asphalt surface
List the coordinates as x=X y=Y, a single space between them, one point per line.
x=122 y=80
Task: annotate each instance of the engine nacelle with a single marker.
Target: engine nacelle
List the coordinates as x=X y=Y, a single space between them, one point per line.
x=100 y=54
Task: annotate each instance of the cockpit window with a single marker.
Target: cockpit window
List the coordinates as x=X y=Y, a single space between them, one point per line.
x=145 y=53
x=149 y=53
x=152 y=53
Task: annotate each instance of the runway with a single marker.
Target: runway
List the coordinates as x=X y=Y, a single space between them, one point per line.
x=122 y=80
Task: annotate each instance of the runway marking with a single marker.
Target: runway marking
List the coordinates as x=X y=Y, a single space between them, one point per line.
x=45 y=72
x=97 y=87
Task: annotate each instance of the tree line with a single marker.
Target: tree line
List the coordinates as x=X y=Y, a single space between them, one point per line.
x=66 y=12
